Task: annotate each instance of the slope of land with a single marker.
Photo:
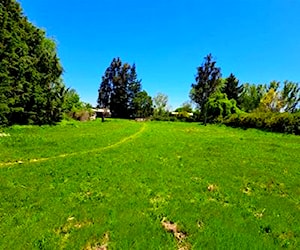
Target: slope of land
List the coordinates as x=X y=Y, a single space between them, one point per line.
x=128 y=185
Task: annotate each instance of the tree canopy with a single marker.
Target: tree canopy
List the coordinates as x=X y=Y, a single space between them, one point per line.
x=121 y=91
x=291 y=96
x=31 y=90
x=251 y=95
x=207 y=83
x=142 y=105
x=232 y=88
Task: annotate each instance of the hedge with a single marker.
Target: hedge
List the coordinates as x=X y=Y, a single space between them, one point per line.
x=275 y=122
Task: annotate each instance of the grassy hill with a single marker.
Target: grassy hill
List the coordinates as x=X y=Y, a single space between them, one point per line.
x=155 y=185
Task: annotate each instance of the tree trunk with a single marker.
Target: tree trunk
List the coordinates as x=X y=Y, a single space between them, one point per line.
x=205 y=113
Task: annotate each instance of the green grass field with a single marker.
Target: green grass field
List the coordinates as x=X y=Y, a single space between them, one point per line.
x=118 y=184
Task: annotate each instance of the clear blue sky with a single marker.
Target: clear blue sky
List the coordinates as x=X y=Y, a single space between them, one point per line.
x=257 y=40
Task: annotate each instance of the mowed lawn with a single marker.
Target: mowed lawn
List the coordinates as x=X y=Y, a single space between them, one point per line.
x=149 y=185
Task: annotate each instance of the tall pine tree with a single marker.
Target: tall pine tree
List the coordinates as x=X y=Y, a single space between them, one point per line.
x=207 y=83
x=231 y=88
x=119 y=88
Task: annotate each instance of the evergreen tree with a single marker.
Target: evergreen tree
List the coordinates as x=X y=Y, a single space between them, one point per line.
x=231 y=88
x=134 y=89
x=30 y=85
x=207 y=83
x=119 y=96
x=119 y=88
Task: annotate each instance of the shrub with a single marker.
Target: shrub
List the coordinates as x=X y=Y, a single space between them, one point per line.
x=167 y=117
x=81 y=115
x=219 y=108
x=275 y=122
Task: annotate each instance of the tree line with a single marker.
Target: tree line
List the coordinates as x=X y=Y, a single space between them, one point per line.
x=218 y=98
x=32 y=90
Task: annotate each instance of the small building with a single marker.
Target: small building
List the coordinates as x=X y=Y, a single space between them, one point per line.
x=99 y=113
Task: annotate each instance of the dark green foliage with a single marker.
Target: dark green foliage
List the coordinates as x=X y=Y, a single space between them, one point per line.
x=273 y=85
x=142 y=105
x=30 y=88
x=207 y=83
x=276 y=122
x=133 y=92
x=231 y=88
x=118 y=89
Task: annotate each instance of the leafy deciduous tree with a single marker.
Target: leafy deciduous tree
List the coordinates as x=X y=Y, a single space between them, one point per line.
x=219 y=107
x=142 y=105
x=250 y=97
x=185 y=107
x=291 y=96
x=160 y=104
x=71 y=101
x=271 y=101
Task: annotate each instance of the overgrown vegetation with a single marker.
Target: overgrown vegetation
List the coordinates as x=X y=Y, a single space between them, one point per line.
x=74 y=108
x=275 y=122
x=128 y=185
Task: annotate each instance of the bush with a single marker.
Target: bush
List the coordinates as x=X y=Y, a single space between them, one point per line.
x=219 y=108
x=167 y=118
x=275 y=122
x=83 y=114
x=182 y=116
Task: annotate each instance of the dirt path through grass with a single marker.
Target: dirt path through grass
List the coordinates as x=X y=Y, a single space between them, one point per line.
x=124 y=140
